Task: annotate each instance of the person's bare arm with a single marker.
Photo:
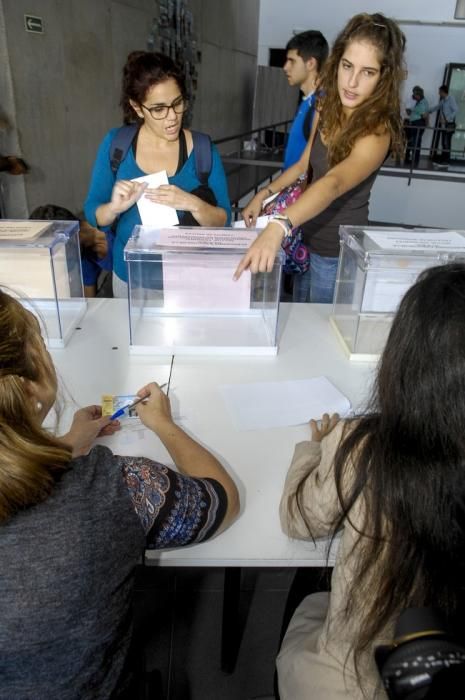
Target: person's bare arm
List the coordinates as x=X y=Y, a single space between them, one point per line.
x=252 y=210
x=87 y=425
x=175 y=197
x=366 y=156
x=125 y=193
x=188 y=455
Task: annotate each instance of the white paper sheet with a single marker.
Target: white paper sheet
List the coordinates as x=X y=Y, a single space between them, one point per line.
x=153 y=214
x=264 y=405
x=22 y=230
x=260 y=224
x=203 y=237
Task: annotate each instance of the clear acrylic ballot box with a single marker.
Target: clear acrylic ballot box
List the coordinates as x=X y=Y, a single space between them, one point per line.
x=376 y=267
x=40 y=263
x=183 y=299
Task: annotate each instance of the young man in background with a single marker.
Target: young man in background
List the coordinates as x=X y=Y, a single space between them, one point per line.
x=306 y=53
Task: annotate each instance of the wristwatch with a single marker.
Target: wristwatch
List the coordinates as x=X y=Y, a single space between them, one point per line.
x=285 y=223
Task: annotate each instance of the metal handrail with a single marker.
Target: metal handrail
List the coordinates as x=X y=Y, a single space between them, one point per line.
x=411 y=172
x=437 y=130
x=242 y=158
x=269 y=127
x=253 y=132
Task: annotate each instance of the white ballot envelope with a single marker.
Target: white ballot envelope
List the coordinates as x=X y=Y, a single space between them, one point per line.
x=261 y=222
x=153 y=214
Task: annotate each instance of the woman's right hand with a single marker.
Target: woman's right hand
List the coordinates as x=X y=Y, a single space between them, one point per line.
x=125 y=193
x=251 y=212
x=155 y=410
x=261 y=255
x=88 y=424
x=322 y=428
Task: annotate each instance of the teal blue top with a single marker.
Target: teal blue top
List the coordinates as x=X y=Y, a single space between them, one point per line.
x=103 y=179
x=420 y=109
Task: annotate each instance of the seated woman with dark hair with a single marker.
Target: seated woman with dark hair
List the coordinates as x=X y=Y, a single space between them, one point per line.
x=392 y=481
x=74 y=521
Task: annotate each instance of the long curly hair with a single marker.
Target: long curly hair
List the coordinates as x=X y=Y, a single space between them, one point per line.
x=381 y=111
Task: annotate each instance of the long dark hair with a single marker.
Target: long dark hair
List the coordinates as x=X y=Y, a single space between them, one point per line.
x=143 y=70
x=406 y=460
x=381 y=111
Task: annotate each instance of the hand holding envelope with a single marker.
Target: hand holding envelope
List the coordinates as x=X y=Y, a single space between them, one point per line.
x=125 y=193
x=153 y=213
x=173 y=196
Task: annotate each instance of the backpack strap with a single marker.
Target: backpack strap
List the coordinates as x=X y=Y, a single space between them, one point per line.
x=203 y=155
x=124 y=137
x=121 y=144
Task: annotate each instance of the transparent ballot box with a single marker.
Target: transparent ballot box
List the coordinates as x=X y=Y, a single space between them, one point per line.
x=40 y=263
x=183 y=299
x=376 y=267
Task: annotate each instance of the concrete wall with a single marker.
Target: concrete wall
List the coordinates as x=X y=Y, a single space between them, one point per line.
x=228 y=32
x=275 y=100
x=65 y=83
x=11 y=188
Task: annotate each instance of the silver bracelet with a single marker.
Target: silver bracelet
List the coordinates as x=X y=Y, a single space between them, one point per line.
x=282 y=225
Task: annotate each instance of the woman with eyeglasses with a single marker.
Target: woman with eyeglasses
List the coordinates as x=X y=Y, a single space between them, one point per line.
x=154 y=98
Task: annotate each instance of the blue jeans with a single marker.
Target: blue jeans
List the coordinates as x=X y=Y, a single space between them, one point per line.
x=317 y=284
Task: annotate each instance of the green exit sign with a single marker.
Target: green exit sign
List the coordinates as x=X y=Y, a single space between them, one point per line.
x=33 y=24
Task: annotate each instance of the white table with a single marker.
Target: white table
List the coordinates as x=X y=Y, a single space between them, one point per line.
x=91 y=366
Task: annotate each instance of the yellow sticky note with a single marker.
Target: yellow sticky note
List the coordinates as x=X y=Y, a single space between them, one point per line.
x=107 y=405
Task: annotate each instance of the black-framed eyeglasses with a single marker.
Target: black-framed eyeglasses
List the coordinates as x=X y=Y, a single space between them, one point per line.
x=179 y=105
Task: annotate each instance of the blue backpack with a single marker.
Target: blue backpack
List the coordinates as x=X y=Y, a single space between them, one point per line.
x=124 y=137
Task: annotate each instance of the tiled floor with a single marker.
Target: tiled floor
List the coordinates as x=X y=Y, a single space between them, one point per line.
x=178 y=626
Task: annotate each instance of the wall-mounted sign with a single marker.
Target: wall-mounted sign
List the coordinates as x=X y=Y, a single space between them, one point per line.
x=33 y=24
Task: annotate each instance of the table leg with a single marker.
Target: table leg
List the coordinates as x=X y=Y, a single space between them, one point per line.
x=231 y=628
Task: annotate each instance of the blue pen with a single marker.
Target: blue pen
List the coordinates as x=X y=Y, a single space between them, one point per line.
x=121 y=411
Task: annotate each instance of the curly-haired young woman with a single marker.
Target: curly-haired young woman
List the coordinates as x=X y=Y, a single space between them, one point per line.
x=357 y=124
